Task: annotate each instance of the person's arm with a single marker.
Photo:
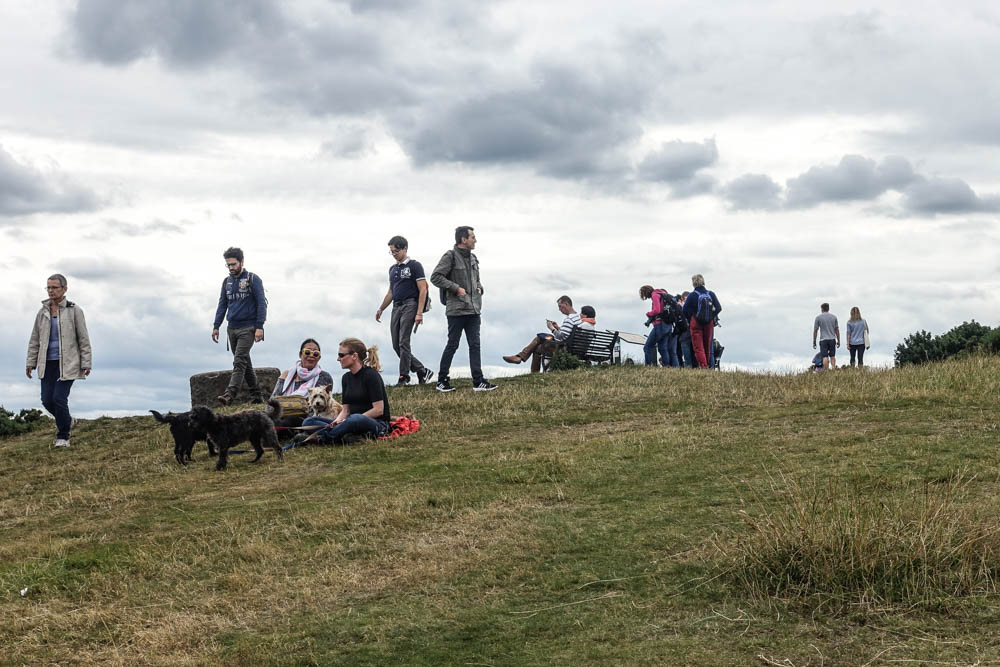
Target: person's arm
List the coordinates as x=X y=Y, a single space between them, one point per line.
x=564 y=331
x=33 y=344
x=385 y=304
x=378 y=407
x=836 y=332
x=83 y=340
x=279 y=384
x=656 y=305
x=421 y=302
x=258 y=294
x=475 y=262
x=715 y=302
x=815 y=331
x=220 y=312
x=441 y=272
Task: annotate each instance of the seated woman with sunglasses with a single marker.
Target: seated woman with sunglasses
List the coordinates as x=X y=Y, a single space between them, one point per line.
x=300 y=378
x=365 y=410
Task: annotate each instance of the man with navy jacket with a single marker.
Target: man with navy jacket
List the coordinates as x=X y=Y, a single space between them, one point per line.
x=243 y=303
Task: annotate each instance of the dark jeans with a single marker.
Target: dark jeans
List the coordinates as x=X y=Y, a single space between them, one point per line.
x=358 y=424
x=456 y=325
x=55 y=398
x=240 y=341
x=659 y=338
x=401 y=327
x=858 y=350
x=687 y=352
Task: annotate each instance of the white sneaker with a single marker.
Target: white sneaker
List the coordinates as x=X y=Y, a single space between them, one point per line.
x=61 y=443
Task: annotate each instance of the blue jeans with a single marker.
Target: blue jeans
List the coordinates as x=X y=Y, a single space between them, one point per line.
x=456 y=325
x=55 y=398
x=358 y=424
x=687 y=350
x=659 y=339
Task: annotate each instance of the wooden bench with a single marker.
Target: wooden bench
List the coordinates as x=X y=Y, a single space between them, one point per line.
x=589 y=346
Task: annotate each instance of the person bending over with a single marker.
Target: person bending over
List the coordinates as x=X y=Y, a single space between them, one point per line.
x=365 y=411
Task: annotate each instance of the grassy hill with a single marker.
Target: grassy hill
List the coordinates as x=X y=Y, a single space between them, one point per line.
x=607 y=516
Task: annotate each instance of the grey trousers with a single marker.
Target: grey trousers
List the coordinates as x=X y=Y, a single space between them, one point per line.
x=401 y=326
x=240 y=342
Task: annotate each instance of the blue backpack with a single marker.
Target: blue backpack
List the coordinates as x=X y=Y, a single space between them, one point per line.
x=706 y=308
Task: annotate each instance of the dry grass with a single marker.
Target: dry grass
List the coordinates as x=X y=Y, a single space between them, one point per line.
x=580 y=517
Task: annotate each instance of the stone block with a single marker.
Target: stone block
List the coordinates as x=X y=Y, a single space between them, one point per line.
x=206 y=387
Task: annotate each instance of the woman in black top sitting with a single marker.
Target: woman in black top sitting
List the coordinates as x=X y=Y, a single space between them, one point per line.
x=365 y=410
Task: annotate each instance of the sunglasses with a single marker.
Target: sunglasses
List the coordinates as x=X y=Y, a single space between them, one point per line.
x=310 y=353
x=341 y=355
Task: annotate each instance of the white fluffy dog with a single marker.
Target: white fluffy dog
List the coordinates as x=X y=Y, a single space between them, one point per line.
x=322 y=403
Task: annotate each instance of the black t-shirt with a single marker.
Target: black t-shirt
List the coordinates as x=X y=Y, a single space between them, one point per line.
x=362 y=390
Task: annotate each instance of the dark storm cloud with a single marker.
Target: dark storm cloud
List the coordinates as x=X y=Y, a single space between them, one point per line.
x=568 y=123
x=184 y=33
x=752 y=192
x=25 y=190
x=856 y=178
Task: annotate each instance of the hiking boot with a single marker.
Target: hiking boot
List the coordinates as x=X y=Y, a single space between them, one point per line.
x=444 y=386
x=61 y=442
x=425 y=377
x=223 y=398
x=404 y=381
x=484 y=385
x=513 y=359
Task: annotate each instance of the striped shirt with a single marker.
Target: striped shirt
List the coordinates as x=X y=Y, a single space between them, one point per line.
x=566 y=328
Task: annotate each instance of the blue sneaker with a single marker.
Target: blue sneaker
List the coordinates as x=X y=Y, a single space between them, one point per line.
x=444 y=386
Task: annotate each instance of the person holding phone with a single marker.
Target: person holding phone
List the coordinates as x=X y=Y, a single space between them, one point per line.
x=558 y=333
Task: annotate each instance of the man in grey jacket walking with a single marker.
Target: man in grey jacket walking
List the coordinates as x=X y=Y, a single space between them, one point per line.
x=457 y=274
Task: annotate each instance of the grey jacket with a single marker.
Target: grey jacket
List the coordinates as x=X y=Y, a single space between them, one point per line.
x=74 y=341
x=459 y=268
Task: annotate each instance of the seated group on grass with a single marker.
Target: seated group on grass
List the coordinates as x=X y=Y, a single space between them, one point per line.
x=546 y=343
x=365 y=405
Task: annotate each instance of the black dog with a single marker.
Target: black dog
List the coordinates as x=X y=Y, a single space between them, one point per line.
x=228 y=430
x=184 y=434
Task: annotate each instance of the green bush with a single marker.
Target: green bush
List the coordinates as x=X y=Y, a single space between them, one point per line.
x=23 y=422
x=921 y=347
x=564 y=361
x=990 y=343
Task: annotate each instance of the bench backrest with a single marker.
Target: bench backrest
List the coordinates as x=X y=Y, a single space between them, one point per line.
x=591 y=345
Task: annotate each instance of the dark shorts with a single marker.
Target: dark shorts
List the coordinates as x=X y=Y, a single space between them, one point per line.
x=828 y=348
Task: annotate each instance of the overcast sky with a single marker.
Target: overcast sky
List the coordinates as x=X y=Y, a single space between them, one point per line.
x=791 y=153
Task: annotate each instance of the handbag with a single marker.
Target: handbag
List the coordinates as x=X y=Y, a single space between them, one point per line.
x=293 y=406
x=868 y=340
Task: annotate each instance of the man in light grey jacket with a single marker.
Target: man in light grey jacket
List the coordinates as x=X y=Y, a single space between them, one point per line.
x=59 y=348
x=457 y=274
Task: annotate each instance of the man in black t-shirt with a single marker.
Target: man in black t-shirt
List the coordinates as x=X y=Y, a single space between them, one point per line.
x=408 y=294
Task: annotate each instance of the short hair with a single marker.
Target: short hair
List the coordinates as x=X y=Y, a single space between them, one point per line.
x=588 y=311
x=698 y=280
x=462 y=233
x=645 y=291
x=233 y=253
x=60 y=277
x=565 y=299
x=306 y=342
x=398 y=242
x=824 y=307
x=684 y=294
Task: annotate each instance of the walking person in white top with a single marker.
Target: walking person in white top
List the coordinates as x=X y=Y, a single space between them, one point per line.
x=829 y=333
x=857 y=328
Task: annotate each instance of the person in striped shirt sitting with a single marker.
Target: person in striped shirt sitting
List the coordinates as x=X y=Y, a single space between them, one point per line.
x=547 y=341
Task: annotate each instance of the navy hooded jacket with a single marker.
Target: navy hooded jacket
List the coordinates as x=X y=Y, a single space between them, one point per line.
x=243 y=298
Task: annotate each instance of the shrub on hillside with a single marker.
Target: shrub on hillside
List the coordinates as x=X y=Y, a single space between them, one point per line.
x=921 y=347
x=24 y=421
x=990 y=344
x=564 y=361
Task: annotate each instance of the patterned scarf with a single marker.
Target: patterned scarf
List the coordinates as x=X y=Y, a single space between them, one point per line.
x=307 y=379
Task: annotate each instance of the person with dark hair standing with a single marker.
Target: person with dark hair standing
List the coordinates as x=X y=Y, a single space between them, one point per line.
x=364 y=408
x=408 y=295
x=685 y=350
x=662 y=336
x=828 y=329
x=243 y=303
x=457 y=274
x=59 y=347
